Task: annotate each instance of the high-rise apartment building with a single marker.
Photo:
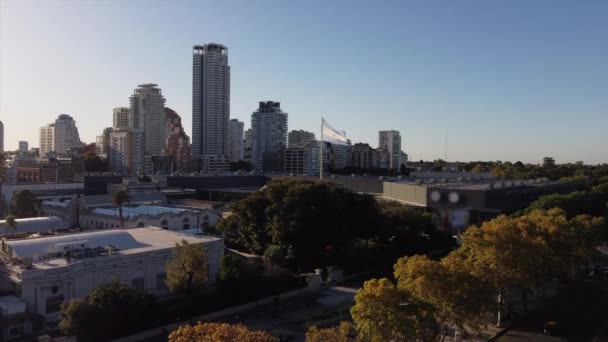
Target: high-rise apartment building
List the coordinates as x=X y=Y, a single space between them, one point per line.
x=363 y=157
x=126 y=152
x=60 y=136
x=391 y=141
x=178 y=143
x=268 y=132
x=236 y=148
x=300 y=139
x=24 y=146
x=147 y=113
x=121 y=118
x=1 y=137
x=247 y=145
x=102 y=142
x=210 y=100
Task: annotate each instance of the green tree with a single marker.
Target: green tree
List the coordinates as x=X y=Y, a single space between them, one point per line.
x=382 y=312
x=111 y=310
x=315 y=223
x=11 y=222
x=187 y=269
x=548 y=162
x=24 y=204
x=119 y=199
x=232 y=268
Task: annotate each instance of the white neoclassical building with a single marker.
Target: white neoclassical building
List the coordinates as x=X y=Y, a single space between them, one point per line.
x=46 y=271
x=79 y=214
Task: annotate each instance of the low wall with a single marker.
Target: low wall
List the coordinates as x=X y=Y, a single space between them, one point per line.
x=217 y=314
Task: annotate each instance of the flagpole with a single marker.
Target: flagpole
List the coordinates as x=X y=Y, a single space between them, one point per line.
x=321 y=152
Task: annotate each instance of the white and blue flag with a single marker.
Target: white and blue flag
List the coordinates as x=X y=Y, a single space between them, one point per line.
x=332 y=135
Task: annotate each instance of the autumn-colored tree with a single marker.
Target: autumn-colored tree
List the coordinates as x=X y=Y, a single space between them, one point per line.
x=187 y=269
x=382 y=312
x=500 y=254
x=457 y=297
x=344 y=332
x=218 y=332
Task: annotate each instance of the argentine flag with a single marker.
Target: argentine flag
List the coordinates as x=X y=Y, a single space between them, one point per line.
x=333 y=135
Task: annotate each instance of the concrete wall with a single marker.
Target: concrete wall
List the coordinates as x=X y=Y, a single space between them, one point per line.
x=411 y=194
x=216 y=182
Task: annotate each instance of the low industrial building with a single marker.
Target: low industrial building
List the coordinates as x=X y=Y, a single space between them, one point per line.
x=461 y=202
x=46 y=271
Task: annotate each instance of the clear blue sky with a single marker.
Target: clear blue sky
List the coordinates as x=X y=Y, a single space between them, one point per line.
x=510 y=80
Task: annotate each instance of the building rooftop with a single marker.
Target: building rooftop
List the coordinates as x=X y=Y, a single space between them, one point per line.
x=48 y=252
x=33 y=225
x=478 y=184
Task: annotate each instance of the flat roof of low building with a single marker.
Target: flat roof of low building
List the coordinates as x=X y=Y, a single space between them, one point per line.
x=127 y=241
x=479 y=185
x=33 y=225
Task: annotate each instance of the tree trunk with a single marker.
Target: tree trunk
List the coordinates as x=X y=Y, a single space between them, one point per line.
x=524 y=299
x=122 y=223
x=444 y=333
x=500 y=302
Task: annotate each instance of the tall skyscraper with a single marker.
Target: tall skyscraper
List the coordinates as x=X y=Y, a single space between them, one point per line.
x=59 y=136
x=300 y=139
x=269 y=133
x=121 y=118
x=1 y=137
x=147 y=113
x=391 y=141
x=210 y=100
x=235 y=140
x=23 y=146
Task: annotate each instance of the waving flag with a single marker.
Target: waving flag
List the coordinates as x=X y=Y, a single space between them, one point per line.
x=333 y=135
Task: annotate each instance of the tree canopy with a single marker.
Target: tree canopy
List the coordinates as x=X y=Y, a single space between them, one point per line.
x=383 y=312
x=187 y=269
x=218 y=332
x=310 y=224
x=111 y=310
x=344 y=332
x=24 y=204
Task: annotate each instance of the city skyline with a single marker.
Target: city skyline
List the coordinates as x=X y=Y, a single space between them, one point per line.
x=519 y=84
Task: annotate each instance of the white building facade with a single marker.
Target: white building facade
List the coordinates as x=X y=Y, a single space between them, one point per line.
x=59 y=136
x=147 y=113
x=236 y=147
x=52 y=269
x=391 y=141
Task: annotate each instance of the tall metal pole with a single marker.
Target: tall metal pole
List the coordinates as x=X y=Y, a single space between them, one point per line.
x=321 y=152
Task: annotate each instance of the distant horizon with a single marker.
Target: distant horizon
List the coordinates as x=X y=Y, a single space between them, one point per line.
x=514 y=81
